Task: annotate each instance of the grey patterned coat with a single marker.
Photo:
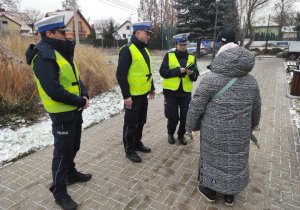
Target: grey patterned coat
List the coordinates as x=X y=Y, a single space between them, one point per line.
x=225 y=124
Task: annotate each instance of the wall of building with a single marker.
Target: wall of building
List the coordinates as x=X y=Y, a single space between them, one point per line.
x=8 y=25
x=83 y=28
x=290 y=36
x=125 y=31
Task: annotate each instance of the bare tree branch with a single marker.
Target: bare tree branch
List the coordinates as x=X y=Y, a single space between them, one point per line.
x=284 y=14
x=9 y=4
x=34 y=16
x=251 y=7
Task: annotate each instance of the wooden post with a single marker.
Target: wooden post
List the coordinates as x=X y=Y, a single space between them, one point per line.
x=76 y=22
x=295 y=86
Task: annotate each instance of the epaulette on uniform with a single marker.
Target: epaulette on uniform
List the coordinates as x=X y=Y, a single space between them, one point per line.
x=125 y=45
x=191 y=54
x=46 y=52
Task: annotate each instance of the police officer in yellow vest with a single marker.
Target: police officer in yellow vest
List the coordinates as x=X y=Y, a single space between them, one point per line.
x=64 y=97
x=134 y=74
x=179 y=70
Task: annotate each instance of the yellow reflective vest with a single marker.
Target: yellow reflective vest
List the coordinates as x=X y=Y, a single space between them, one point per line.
x=139 y=75
x=174 y=82
x=67 y=79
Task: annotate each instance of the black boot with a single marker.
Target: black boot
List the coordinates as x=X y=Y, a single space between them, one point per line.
x=78 y=177
x=228 y=200
x=171 y=139
x=182 y=140
x=134 y=157
x=67 y=203
x=143 y=149
x=209 y=194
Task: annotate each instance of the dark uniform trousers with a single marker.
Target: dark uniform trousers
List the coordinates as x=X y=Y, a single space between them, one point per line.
x=172 y=103
x=134 y=121
x=66 y=129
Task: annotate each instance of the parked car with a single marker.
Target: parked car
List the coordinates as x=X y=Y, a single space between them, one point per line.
x=293 y=52
x=192 y=49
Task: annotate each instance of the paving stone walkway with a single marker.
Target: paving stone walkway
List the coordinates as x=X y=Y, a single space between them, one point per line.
x=167 y=177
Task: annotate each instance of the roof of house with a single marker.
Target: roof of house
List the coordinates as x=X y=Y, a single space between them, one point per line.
x=21 y=19
x=127 y=21
x=266 y=26
x=288 y=29
x=10 y=18
x=69 y=14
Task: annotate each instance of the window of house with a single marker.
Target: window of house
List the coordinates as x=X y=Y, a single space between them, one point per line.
x=80 y=27
x=128 y=27
x=4 y=22
x=124 y=36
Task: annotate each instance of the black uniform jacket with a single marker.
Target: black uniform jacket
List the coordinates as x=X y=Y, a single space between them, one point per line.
x=47 y=71
x=166 y=72
x=125 y=60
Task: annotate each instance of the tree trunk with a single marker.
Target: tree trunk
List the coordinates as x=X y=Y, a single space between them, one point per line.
x=251 y=31
x=280 y=34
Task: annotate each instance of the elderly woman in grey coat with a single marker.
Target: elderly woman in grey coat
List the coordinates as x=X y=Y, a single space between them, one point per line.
x=225 y=122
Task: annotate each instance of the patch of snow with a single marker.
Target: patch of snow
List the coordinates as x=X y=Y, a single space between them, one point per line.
x=14 y=143
x=295 y=112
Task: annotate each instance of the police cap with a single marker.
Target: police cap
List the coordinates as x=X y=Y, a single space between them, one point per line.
x=55 y=22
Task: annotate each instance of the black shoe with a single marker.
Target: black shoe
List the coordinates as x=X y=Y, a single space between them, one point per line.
x=67 y=203
x=134 y=157
x=182 y=140
x=143 y=149
x=171 y=139
x=209 y=194
x=228 y=200
x=79 y=177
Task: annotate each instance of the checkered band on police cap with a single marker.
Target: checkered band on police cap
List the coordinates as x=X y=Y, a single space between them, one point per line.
x=146 y=26
x=51 y=23
x=181 y=38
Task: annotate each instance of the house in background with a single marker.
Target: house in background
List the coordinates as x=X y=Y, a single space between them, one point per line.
x=8 y=25
x=99 y=33
x=289 y=33
x=84 y=27
x=125 y=30
x=15 y=22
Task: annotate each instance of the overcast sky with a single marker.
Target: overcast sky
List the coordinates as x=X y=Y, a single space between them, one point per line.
x=101 y=9
x=91 y=9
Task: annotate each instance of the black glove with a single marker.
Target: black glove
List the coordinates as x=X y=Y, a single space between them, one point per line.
x=192 y=67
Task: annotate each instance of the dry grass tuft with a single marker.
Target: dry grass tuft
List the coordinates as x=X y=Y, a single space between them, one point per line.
x=96 y=73
x=15 y=74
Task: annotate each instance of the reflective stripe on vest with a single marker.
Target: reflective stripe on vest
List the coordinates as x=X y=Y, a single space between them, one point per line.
x=138 y=74
x=174 y=82
x=67 y=79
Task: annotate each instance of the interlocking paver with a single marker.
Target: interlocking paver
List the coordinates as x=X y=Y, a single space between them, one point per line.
x=167 y=177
